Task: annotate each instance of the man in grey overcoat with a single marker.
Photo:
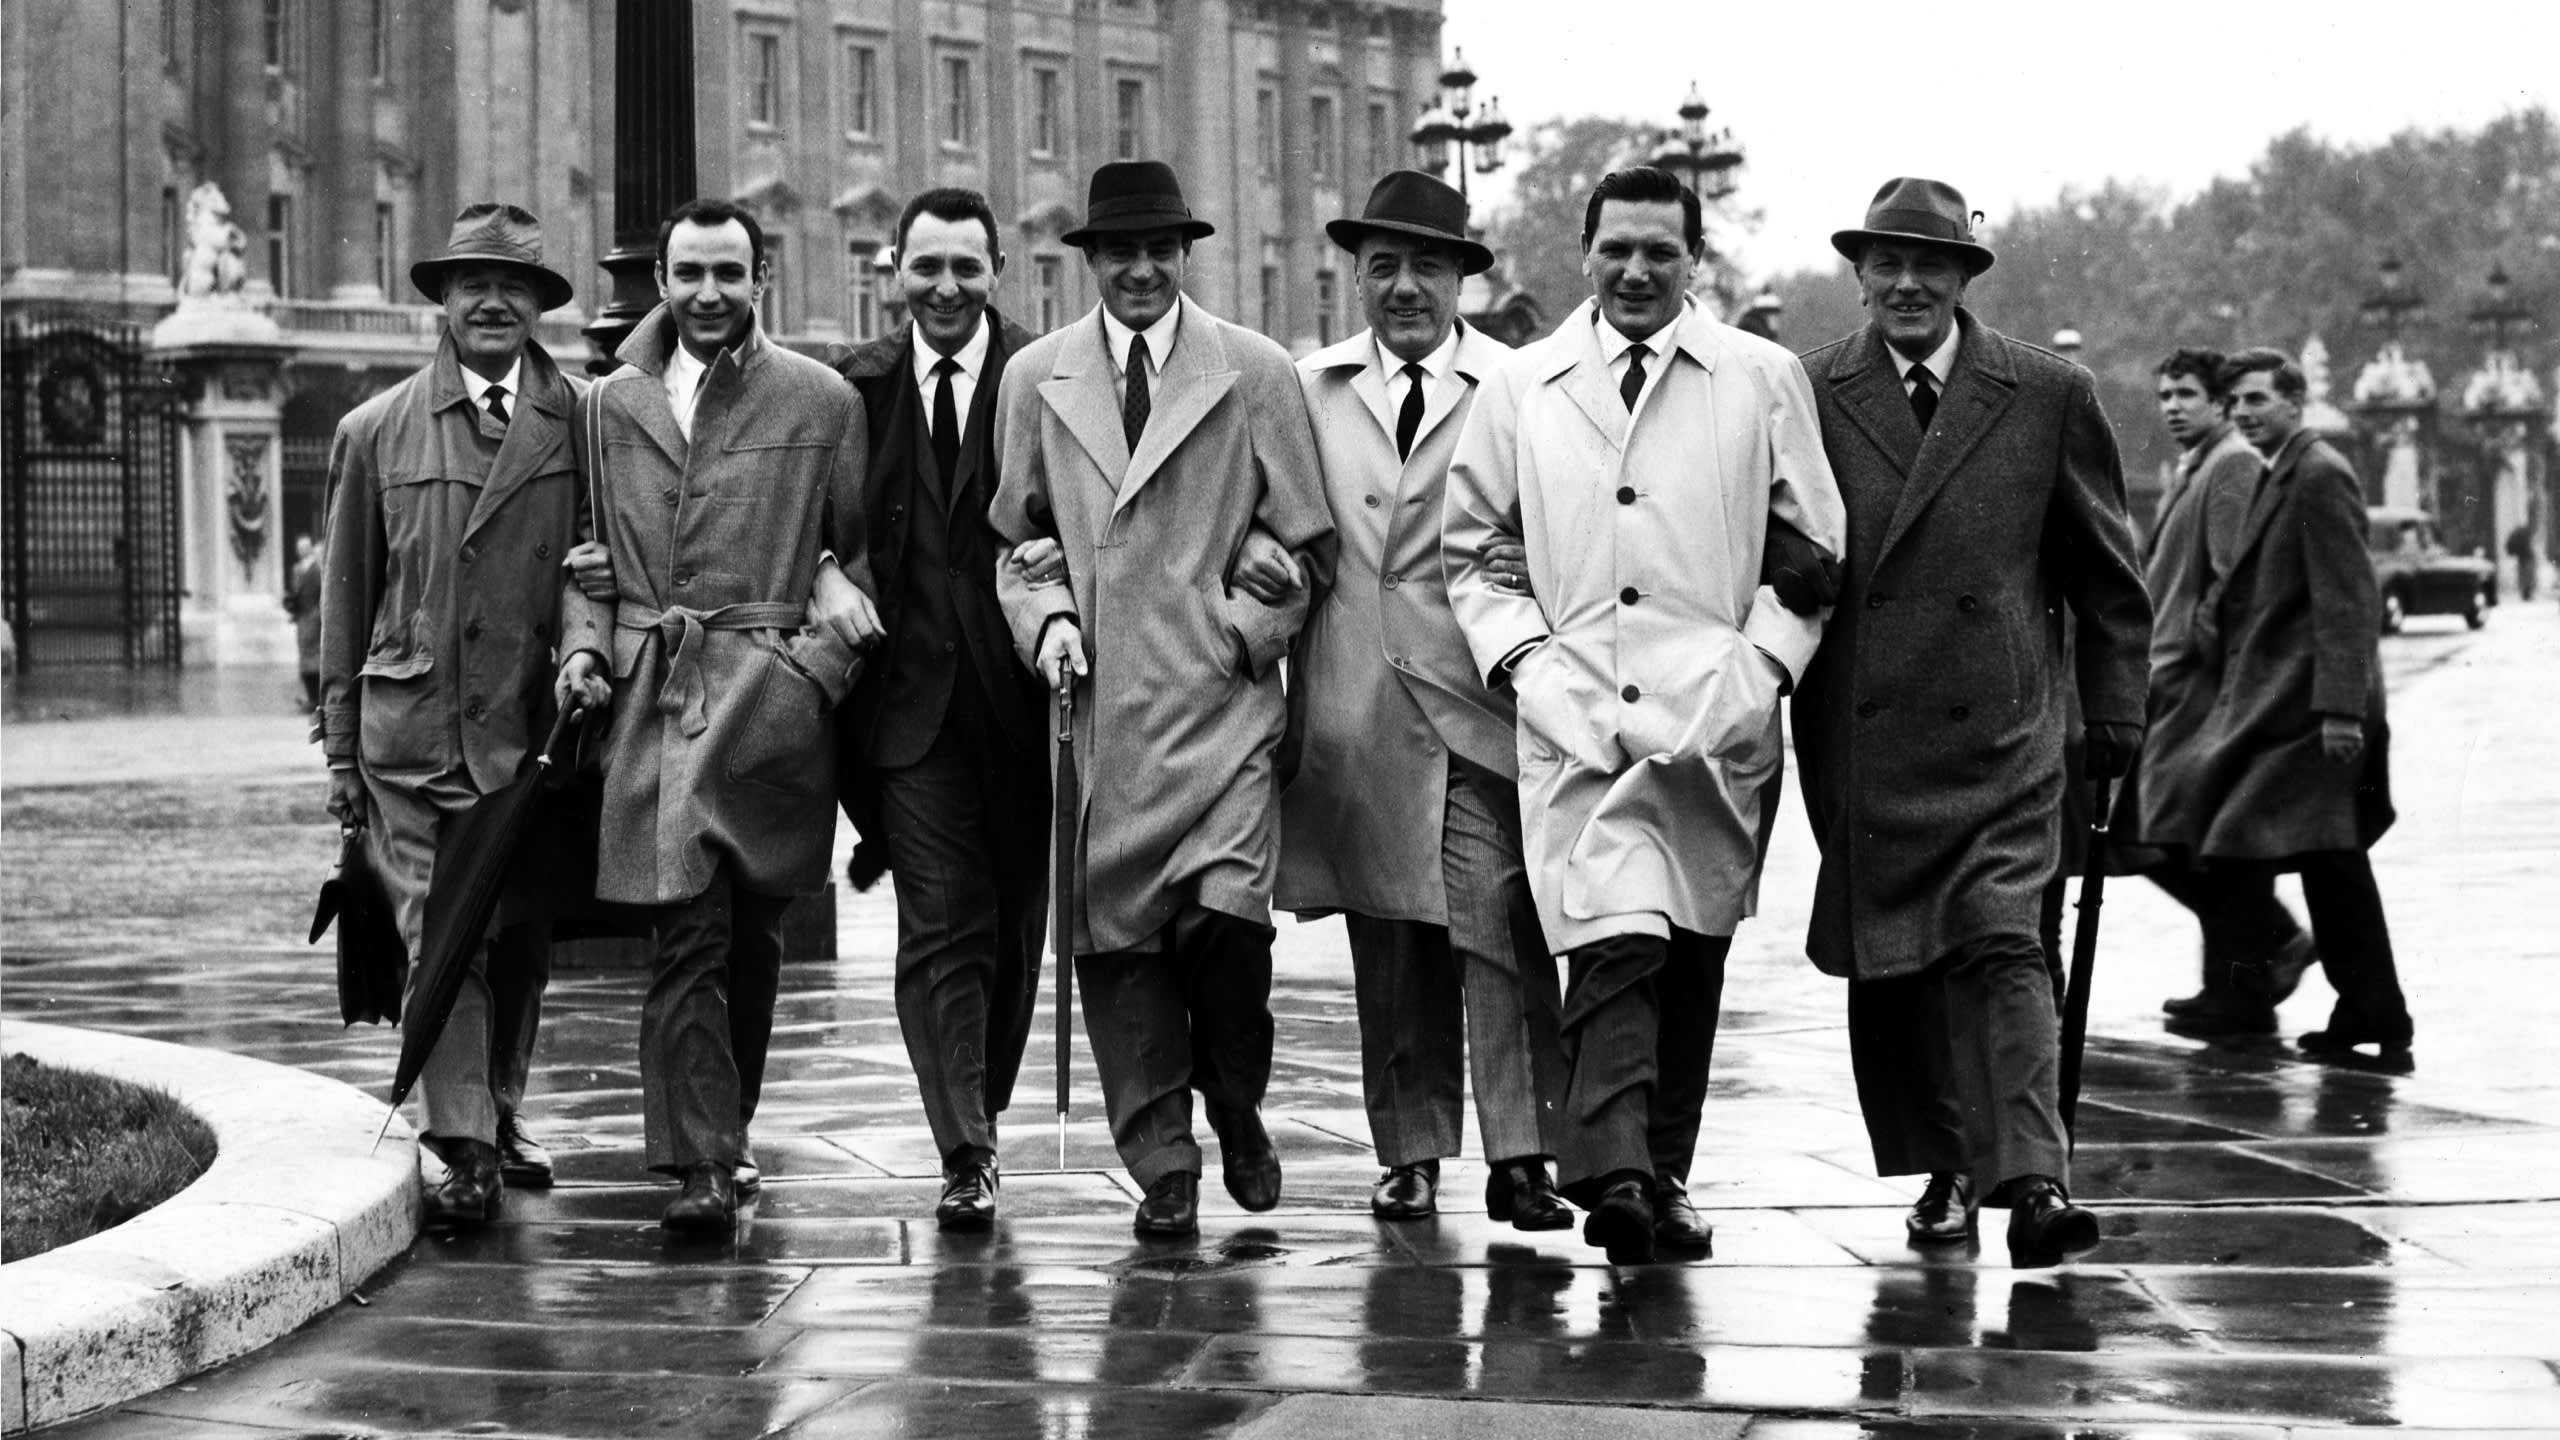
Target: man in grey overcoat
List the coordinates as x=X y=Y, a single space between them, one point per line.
x=1985 y=498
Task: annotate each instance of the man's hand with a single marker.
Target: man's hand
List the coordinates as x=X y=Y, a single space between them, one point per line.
x=346 y=796
x=583 y=683
x=1265 y=569
x=2110 y=749
x=1506 y=565
x=1805 y=575
x=1039 y=561
x=2341 y=739
x=838 y=605
x=591 y=565
x=1061 y=660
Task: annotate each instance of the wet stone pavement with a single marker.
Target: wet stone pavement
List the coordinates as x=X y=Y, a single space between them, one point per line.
x=2291 y=1250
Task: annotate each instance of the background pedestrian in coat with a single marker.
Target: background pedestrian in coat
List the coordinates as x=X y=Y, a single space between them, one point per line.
x=302 y=602
x=1983 y=490
x=729 y=494
x=1642 y=453
x=452 y=504
x=1148 y=438
x=939 y=749
x=1404 y=813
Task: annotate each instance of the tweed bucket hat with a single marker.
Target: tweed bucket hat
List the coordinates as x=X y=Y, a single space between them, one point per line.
x=493 y=233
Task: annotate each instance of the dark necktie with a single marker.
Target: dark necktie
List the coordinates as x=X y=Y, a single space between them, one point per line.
x=946 y=420
x=1633 y=386
x=1409 y=417
x=498 y=403
x=1134 y=405
x=1924 y=397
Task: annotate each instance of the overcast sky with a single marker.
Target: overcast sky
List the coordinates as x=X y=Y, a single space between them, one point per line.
x=2009 y=101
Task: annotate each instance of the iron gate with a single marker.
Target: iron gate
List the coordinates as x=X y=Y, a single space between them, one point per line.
x=91 y=555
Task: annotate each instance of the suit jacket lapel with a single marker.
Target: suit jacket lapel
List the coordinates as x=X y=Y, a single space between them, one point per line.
x=981 y=419
x=1977 y=395
x=1195 y=378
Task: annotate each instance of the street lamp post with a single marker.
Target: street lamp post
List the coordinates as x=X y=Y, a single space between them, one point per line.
x=1706 y=161
x=1455 y=120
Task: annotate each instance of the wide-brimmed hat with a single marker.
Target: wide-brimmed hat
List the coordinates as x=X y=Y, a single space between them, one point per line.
x=1408 y=202
x=491 y=232
x=1927 y=212
x=1135 y=195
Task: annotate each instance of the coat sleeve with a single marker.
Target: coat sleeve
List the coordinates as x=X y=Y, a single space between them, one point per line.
x=1481 y=504
x=2344 y=598
x=1291 y=507
x=352 y=560
x=846 y=473
x=1804 y=494
x=1022 y=510
x=587 y=624
x=2089 y=546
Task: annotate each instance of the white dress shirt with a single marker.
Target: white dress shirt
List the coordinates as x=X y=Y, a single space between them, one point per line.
x=1435 y=368
x=477 y=388
x=1941 y=362
x=684 y=386
x=964 y=381
x=1614 y=346
x=1160 y=341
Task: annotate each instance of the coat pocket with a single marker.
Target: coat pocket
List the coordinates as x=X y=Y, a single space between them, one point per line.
x=401 y=722
x=782 y=744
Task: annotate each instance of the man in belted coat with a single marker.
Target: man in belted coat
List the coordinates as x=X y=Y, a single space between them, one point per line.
x=2299 y=771
x=1404 y=813
x=940 y=752
x=1986 y=503
x=727 y=482
x=1644 y=453
x=2163 y=807
x=1149 y=438
x=451 y=509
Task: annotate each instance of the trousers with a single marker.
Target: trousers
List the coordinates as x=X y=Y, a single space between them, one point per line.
x=1959 y=1066
x=707 y=1022
x=1193 y=1015
x=1639 y=1040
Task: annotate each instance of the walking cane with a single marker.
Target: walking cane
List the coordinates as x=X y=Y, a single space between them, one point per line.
x=2084 y=957
x=1062 y=909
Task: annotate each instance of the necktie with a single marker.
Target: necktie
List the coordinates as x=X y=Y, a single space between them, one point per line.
x=1135 y=404
x=946 y=420
x=498 y=403
x=1924 y=397
x=1409 y=418
x=1633 y=385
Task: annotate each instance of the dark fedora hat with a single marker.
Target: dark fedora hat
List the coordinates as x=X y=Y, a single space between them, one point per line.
x=490 y=232
x=1408 y=202
x=1135 y=195
x=1927 y=212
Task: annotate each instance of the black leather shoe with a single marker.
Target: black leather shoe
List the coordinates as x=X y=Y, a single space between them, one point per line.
x=1677 y=1227
x=2338 y=1045
x=1246 y=1154
x=1945 y=1214
x=1520 y=1192
x=968 y=1197
x=745 y=1175
x=709 y=1203
x=2187 y=1004
x=2224 y=1013
x=470 y=1193
x=1172 y=1206
x=1622 y=1223
x=2045 y=1228
x=521 y=1159
x=1407 y=1192
x=2285 y=971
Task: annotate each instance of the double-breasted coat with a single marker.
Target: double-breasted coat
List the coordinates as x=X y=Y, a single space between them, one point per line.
x=2292 y=635
x=719 y=746
x=1382 y=690
x=1176 y=729
x=1930 y=728
x=1648 y=738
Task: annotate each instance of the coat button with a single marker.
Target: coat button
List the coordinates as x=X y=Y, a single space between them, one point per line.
x=683 y=578
x=953 y=572
x=469 y=554
x=948 y=646
x=542 y=551
x=1867 y=709
x=669 y=494
x=1967 y=604
x=1631 y=694
x=1392 y=579
x=1627 y=596
x=476 y=711
x=471 y=631
x=1875 y=599
x=1369 y=500
x=1626 y=494
x=542 y=630
x=1959 y=712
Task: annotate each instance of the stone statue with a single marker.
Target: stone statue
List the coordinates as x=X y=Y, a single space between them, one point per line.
x=217 y=263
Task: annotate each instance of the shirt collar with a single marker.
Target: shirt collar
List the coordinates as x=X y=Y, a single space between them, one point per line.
x=477 y=388
x=972 y=356
x=1941 y=361
x=681 y=366
x=1160 y=338
x=1436 y=364
x=1614 y=342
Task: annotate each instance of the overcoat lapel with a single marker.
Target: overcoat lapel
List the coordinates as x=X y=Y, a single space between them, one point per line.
x=645 y=393
x=1079 y=392
x=534 y=435
x=1195 y=378
x=1977 y=395
x=1371 y=387
x=2271 y=492
x=1584 y=377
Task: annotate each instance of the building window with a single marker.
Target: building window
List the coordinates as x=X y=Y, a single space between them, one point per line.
x=1266 y=129
x=173 y=237
x=169 y=34
x=1326 y=300
x=386 y=247
x=1321 y=137
x=867 y=280
x=776 y=315
x=861 y=90
x=764 y=80
x=381 y=40
x=1129 y=111
x=1271 y=300
x=277 y=28
x=1048 y=292
x=1381 y=139
x=1048 y=126
x=280 y=243
x=959 y=101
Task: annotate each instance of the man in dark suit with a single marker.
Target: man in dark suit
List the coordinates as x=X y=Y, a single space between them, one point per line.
x=1983 y=490
x=939 y=747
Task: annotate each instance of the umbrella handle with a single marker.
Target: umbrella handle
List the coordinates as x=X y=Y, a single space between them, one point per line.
x=569 y=715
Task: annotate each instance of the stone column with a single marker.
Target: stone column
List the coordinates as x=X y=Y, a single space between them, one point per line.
x=1299 y=256
x=240 y=142
x=230 y=362
x=348 y=192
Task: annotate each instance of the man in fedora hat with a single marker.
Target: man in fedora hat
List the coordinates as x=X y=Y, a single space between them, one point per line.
x=452 y=507
x=1147 y=439
x=1985 y=498
x=1404 y=813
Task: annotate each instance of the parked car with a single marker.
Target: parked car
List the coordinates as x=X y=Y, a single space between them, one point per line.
x=2418 y=576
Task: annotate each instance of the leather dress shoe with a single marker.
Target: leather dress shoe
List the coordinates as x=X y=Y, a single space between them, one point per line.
x=1407 y=1192
x=1246 y=1155
x=744 y=1174
x=708 y=1204
x=1622 y=1223
x=2187 y=1004
x=2337 y=1046
x=521 y=1159
x=2224 y=1013
x=2045 y=1228
x=1677 y=1226
x=2291 y=963
x=1172 y=1206
x=968 y=1197
x=1945 y=1213
x=469 y=1195
x=1520 y=1192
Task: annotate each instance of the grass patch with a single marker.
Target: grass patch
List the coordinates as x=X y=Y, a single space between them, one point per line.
x=81 y=1153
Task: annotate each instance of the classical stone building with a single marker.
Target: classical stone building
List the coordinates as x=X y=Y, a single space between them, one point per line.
x=345 y=133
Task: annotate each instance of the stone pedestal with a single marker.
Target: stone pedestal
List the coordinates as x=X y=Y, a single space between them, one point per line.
x=230 y=361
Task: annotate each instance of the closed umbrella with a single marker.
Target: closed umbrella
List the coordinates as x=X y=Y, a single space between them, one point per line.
x=2084 y=956
x=1062 y=906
